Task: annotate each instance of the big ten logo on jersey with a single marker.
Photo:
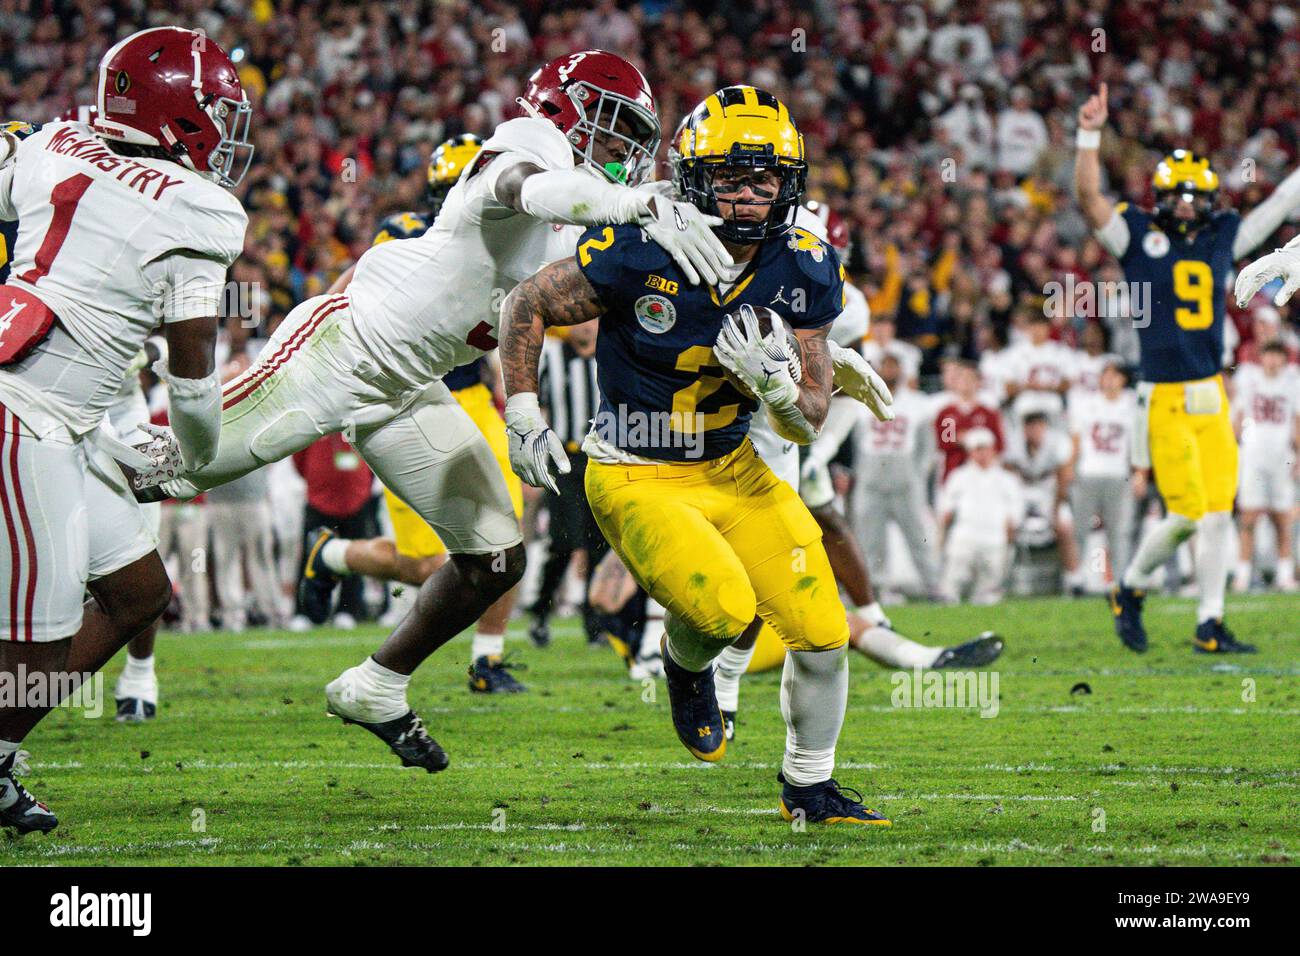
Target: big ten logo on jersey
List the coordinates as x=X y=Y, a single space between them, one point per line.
x=660 y=284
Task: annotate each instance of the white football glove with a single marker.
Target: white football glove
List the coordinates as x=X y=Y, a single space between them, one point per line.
x=855 y=377
x=534 y=447
x=762 y=363
x=686 y=234
x=164 y=454
x=1281 y=263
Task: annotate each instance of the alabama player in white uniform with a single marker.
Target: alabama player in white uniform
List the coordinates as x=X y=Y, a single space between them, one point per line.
x=120 y=225
x=1267 y=409
x=368 y=362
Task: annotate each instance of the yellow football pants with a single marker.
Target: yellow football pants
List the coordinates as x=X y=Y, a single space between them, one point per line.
x=413 y=536
x=719 y=541
x=1194 y=454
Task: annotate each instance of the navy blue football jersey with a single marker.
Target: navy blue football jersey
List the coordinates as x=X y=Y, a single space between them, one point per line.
x=410 y=225
x=1183 y=285
x=662 y=391
x=9 y=230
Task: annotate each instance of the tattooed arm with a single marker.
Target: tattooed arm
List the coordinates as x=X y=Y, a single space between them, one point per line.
x=801 y=421
x=559 y=294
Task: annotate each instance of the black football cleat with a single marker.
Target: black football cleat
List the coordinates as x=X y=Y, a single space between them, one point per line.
x=981 y=652
x=728 y=724
x=540 y=634
x=407 y=738
x=1126 y=605
x=826 y=802
x=694 y=704
x=135 y=710
x=490 y=674
x=1213 y=637
x=316 y=586
x=19 y=810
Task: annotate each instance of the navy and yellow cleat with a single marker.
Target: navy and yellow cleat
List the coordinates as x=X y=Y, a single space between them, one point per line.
x=694 y=705
x=1213 y=637
x=826 y=802
x=406 y=737
x=490 y=674
x=19 y=810
x=728 y=724
x=981 y=652
x=135 y=710
x=316 y=586
x=1126 y=605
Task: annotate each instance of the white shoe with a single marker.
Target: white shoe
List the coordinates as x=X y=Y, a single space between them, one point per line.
x=299 y=624
x=344 y=621
x=347 y=698
x=651 y=666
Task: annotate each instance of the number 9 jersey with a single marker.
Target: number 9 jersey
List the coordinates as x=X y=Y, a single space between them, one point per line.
x=1182 y=294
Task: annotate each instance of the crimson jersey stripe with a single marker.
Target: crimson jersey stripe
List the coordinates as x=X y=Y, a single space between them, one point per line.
x=21 y=507
x=16 y=558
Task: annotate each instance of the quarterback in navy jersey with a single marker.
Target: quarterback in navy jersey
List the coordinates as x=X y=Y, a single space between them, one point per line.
x=705 y=527
x=1179 y=255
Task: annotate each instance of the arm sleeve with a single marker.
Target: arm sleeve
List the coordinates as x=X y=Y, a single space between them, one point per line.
x=1114 y=236
x=1262 y=221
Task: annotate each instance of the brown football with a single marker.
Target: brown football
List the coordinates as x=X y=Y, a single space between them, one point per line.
x=765 y=325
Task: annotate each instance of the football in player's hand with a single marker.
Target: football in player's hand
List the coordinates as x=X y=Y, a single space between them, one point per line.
x=765 y=325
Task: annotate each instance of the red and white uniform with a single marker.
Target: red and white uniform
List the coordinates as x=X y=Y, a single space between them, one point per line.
x=1040 y=371
x=112 y=245
x=1105 y=431
x=984 y=504
x=368 y=362
x=1268 y=407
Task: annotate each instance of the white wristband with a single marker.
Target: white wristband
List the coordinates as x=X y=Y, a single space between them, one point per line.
x=1087 y=138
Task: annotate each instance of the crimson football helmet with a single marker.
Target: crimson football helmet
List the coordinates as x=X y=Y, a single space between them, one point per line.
x=594 y=95
x=176 y=89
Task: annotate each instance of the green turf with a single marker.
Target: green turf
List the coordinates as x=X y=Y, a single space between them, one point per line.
x=243 y=766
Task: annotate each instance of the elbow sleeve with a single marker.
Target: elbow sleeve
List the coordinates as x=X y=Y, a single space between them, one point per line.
x=195 y=415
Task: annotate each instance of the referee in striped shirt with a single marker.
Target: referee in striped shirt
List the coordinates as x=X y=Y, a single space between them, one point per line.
x=567 y=387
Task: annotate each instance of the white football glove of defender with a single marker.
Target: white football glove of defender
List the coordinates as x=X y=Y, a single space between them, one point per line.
x=855 y=377
x=534 y=447
x=764 y=364
x=1281 y=263
x=164 y=453
x=686 y=234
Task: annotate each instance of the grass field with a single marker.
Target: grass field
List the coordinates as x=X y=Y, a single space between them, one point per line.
x=243 y=767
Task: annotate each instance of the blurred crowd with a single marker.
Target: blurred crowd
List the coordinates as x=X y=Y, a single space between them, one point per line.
x=941 y=131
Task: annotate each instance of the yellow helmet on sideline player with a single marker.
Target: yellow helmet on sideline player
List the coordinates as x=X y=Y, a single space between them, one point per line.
x=740 y=127
x=1183 y=176
x=445 y=166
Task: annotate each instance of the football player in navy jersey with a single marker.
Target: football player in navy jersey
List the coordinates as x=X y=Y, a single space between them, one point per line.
x=1181 y=253
x=701 y=522
x=415 y=551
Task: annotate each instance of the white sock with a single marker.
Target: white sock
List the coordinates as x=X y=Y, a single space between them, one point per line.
x=370 y=692
x=1213 y=552
x=731 y=663
x=894 y=650
x=814 y=694
x=1156 y=548
x=7 y=747
x=487 y=645
x=138 y=668
x=334 y=555
x=1243 y=573
x=1286 y=572
x=653 y=629
x=137 y=680
x=874 y=613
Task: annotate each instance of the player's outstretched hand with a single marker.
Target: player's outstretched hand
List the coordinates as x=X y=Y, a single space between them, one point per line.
x=762 y=363
x=164 y=454
x=686 y=234
x=1281 y=264
x=1092 y=114
x=855 y=377
x=534 y=447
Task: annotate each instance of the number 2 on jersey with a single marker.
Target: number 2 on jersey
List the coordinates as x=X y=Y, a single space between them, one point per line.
x=64 y=198
x=686 y=400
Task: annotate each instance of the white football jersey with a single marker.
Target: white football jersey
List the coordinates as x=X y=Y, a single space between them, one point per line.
x=1268 y=408
x=113 y=245
x=852 y=325
x=982 y=501
x=1105 y=431
x=423 y=306
x=1040 y=370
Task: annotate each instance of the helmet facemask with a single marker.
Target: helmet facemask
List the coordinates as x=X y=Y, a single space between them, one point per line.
x=601 y=113
x=738 y=168
x=1167 y=201
x=233 y=120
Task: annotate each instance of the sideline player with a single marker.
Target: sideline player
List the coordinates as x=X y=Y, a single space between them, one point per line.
x=415 y=551
x=368 y=363
x=121 y=223
x=674 y=483
x=1183 y=250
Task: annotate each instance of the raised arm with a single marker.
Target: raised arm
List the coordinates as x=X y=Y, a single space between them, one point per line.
x=1097 y=209
x=558 y=294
